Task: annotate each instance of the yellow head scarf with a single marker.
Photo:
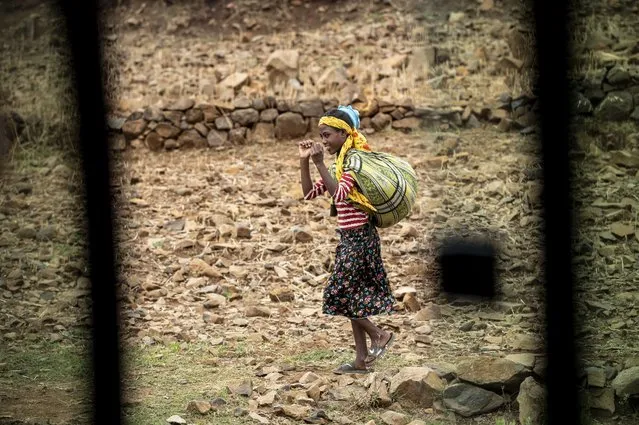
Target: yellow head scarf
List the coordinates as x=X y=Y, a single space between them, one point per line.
x=355 y=140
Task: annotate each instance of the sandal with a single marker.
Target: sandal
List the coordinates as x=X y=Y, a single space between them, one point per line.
x=349 y=368
x=377 y=352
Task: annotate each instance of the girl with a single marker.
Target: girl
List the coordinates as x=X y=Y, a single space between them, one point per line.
x=358 y=287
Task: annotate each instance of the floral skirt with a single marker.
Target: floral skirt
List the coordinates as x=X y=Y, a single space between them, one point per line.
x=358 y=286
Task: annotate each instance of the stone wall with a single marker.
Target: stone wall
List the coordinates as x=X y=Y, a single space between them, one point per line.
x=610 y=93
x=183 y=124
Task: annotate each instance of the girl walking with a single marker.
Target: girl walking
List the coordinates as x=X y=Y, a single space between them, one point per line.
x=358 y=288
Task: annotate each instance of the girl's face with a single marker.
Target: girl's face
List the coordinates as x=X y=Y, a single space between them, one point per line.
x=332 y=138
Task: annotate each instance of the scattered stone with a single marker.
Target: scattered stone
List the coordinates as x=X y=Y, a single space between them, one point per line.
x=294 y=411
x=407 y=124
x=416 y=385
x=181 y=105
x=199 y=406
x=622 y=230
x=468 y=400
x=282 y=294
x=200 y=267
x=411 y=303
x=526 y=359
x=625 y=159
x=492 y=373
x=257 y=311
x=267 y=399
x=617 y=106
x=532 y=402
x=596 y=377
x=176 y=420
x=236 y=81
x=282 y=65
x=245 y=388
x=378 y=390
x=618 y=76
x=256 y=417
x=394 y=418
x=602 y=401
x=430 y=312
x=627 y=382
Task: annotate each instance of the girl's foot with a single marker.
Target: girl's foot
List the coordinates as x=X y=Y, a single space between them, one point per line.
x=380 y=347
x=352 y=368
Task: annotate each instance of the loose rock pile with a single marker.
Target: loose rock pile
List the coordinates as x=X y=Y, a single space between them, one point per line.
x=475 y=386
x=610 y=94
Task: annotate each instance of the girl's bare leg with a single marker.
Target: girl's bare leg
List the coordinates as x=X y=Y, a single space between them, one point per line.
x=361 y=351
x=378 y=336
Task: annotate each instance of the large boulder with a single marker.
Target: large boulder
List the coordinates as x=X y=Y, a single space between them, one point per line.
x=617 y=106
x=468 y=400
x=532 y=402
x=492 y=373
x=627 y=382
x=290 y=125
x=417 y=386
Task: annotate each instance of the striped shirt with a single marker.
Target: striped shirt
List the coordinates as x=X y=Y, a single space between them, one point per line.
x=348 y=216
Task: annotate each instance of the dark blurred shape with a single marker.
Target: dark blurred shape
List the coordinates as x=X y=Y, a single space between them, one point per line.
x=11 y=127
x=83 y=29
x=468 y=267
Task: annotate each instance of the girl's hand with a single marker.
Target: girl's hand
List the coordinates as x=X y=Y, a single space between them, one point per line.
x=317 y=153
x=305 y=148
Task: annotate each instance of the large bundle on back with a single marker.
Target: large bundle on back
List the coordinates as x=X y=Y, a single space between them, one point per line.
x=387 y=185
x=388 y=182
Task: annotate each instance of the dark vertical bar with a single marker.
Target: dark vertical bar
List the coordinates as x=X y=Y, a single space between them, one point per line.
x=552 y=23
x=82 y=25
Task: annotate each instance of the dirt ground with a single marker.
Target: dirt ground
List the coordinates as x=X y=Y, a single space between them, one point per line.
x=176 y=207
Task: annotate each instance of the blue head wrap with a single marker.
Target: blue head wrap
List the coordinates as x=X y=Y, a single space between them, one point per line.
x=352 y=113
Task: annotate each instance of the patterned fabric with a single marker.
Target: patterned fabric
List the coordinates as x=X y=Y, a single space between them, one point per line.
x=348 y=216
x=358 y=287
x=352 y=113
x=354 y=141
x=388 y=182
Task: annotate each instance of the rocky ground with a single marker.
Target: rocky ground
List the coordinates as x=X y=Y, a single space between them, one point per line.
x=221 y=278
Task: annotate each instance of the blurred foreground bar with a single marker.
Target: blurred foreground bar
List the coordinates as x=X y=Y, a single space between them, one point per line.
x=82 y=25
x=551 y=24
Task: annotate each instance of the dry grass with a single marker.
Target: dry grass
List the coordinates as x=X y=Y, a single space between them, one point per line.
x=36 y=70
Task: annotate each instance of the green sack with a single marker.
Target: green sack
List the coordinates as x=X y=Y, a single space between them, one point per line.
x=389 y=183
